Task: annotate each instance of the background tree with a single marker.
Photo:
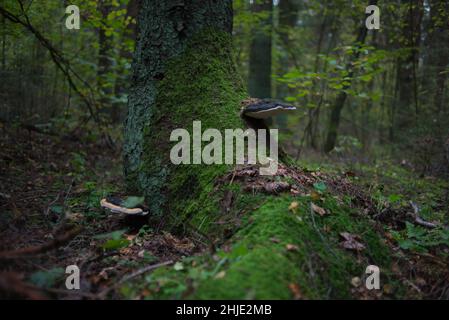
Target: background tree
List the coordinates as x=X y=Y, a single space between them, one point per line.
x=259 y=79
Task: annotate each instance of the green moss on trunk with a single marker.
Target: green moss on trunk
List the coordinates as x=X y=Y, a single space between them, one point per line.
x=200 y=84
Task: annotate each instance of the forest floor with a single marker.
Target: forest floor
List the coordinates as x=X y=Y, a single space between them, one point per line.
x=50 y=218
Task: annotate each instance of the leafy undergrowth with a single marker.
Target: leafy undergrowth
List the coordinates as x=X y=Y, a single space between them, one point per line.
x=303 y=234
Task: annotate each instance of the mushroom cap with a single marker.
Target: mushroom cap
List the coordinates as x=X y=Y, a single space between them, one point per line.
x=115 y=205
x=264 y=108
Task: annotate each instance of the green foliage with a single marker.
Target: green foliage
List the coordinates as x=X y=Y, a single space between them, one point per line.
x=132 y=202
x=114 y=240
x=47 y=90
x=419 y=239
x=47 y=279
x=320 y=186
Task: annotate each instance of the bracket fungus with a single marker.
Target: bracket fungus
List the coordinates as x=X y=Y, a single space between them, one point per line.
x=117 y=205
x=264 y=108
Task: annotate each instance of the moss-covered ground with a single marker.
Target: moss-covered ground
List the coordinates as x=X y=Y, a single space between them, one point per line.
x=237 y=239
x=280 y=248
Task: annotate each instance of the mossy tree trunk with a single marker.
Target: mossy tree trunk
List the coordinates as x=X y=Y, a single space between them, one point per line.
x=183 y=71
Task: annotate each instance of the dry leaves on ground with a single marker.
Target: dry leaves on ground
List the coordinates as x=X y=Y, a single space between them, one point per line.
x=351 y=242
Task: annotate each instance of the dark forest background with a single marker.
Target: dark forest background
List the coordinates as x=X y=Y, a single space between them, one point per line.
x=364 y=94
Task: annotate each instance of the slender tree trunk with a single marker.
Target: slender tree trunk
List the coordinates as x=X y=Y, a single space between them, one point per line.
x=259 y=78
x=4 y=43
x=122 y=77
x=439 y=51
x=183 y=71
x=104 y=62
x=407 y=65
x=288 y=15
x=334 y=120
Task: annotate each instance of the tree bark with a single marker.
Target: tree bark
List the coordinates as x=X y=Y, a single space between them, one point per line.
x=183 y=71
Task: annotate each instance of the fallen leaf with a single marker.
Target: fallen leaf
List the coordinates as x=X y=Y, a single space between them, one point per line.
x=356 y=282
x=220 y=275
x=318 y=210
x=296 y=291
x=180 y=244
x=178 y=266
x=141 y=253
x=130 y=237
x=276 y=187
x=291 y=247
x=275 y=240
x=351 y=242
x=293 y=207
x=388 y=289
x=315 y=196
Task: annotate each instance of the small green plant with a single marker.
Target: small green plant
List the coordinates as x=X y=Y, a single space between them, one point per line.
x=419 y=239
x=46 y=279
x=114 y=241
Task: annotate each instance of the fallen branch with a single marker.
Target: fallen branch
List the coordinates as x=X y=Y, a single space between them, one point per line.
x=137 y=273
x=144 y=270
x=420 y=221
x=56 y=242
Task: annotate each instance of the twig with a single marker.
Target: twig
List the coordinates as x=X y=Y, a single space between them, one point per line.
x=137 y=273
x=418 y=220
x=47 y=212
x=56 y=242
x=319 y=233
x=144 y=270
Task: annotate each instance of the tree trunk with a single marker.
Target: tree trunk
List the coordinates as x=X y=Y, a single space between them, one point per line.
x=183 y=71
x=104 y=62
x=259 y=78
x=122 y=76
x=288 y=15
x=407 y=64
x=439 y=51
x=4 y=44
x=334 y=120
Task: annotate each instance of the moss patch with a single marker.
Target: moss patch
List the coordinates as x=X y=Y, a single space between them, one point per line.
x=200 y=84
x=318 y=264
x=259 y=262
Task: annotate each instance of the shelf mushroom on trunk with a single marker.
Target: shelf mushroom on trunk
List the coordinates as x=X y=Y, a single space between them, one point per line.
x=256 y=111
x=264 y=108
